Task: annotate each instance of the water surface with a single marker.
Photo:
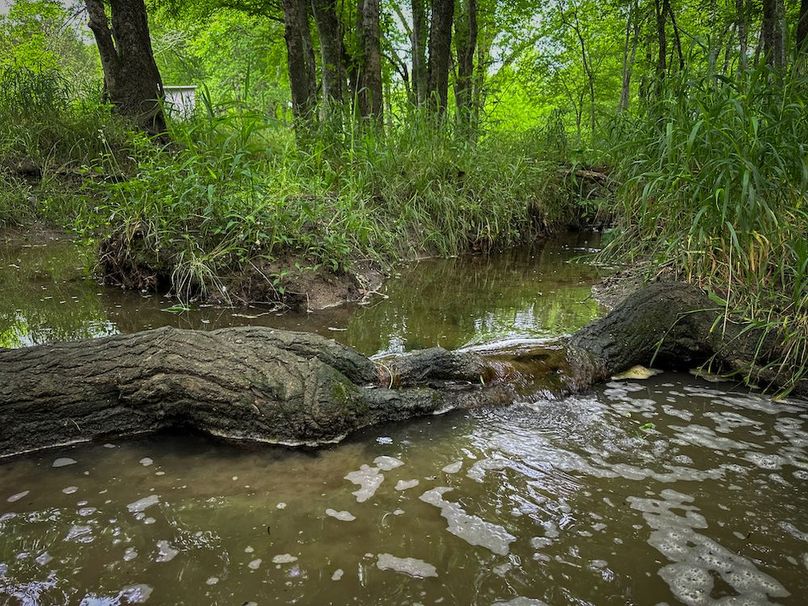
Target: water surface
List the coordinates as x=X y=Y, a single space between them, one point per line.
x=666 y=491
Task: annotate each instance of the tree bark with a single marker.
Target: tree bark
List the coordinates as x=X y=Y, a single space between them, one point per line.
x=773 y=33
x=132 y=81
x=371 y=99
x=418 y=42
x=466 y=45
x=801 y=35
x=743 y=36
x=662 y=46
x=440 y=47
x=262 y=385
x=300 y=60
x=633 y=26
x=331 y=51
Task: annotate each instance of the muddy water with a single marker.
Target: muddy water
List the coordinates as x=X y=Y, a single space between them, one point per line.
x=48 y=295
x=669 y=491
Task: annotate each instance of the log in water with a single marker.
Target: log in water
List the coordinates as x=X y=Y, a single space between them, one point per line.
x=264 y=385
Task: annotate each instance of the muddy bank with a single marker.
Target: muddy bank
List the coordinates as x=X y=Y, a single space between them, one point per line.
x=264 y=385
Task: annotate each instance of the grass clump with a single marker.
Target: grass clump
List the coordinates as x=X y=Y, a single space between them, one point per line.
x=714 y=186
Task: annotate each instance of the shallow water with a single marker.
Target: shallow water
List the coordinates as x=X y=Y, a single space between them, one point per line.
x=670 y=490
x=48 y=295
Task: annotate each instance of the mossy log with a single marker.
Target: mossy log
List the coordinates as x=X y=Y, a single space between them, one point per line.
x=263 y=385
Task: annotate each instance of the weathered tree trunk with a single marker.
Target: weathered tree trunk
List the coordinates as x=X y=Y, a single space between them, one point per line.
x=676 y=38
x=262 y=385
x=371 y=100
x=300 y=60
x=773 y=32
x=131 y=79
x=440 y=47
x=801 y=35
x=466 y=44
x=329 y=31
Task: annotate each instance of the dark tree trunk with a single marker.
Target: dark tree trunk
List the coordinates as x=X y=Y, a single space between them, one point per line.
x=262 y=385
x=676 y=39
x=466 y=45
x=440 y=48
x=801 y=35
x=331 y=50
x=131 y=79
x=418 y=42
x=300 y=60
x=773 y=32
x=371 y=99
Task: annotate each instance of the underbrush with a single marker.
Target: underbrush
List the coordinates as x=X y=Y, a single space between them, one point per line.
x=240 y=194
x=715 y=187
x=235 y=193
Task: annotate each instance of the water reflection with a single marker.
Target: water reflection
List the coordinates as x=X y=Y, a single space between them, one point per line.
x=531 y=292
x=572 y=501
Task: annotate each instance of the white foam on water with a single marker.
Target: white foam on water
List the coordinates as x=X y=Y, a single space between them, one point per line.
x=386 y=463
x=212 y=581
x=146 y=461
x=406 y=484
x=165 y=551
x=70 y=489
x=453 y=467
x=255 y=564
x=368 y=479
x=343 y=516
x=338 y=574
x=129 y=554
x=79 y=534
x=143 y=504
x=64 y=462
x=43 y=558
x=16 y=497
x=284 y=558
x=410 y=566
x=520 y=601
x=698 y=559
x=472 y=529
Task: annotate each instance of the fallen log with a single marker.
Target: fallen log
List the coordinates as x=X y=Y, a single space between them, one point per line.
x=262 y=385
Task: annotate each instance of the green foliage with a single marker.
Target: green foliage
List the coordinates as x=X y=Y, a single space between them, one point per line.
x=714 y=186
x=240 y=194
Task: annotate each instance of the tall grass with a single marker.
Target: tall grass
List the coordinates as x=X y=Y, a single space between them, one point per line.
x=51 y=141
x=715 y=186
x=240 y=192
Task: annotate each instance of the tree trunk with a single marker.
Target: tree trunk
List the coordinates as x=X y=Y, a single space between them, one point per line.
x=420 y=81
x=662 y=46
x=633 y=26
x=440 y=47
x=262 y=385
x=773 y=32
x=743 y=36
x=328 y=29
x=801 y=35
x=300 y=60
x=371 y=100
x=676 y=39
x=466 y=44
x=132 y=81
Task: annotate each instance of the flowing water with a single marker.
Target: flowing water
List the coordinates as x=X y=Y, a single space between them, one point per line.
x=665 y=491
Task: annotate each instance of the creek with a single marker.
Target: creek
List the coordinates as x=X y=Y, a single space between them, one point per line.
x=669 y=490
